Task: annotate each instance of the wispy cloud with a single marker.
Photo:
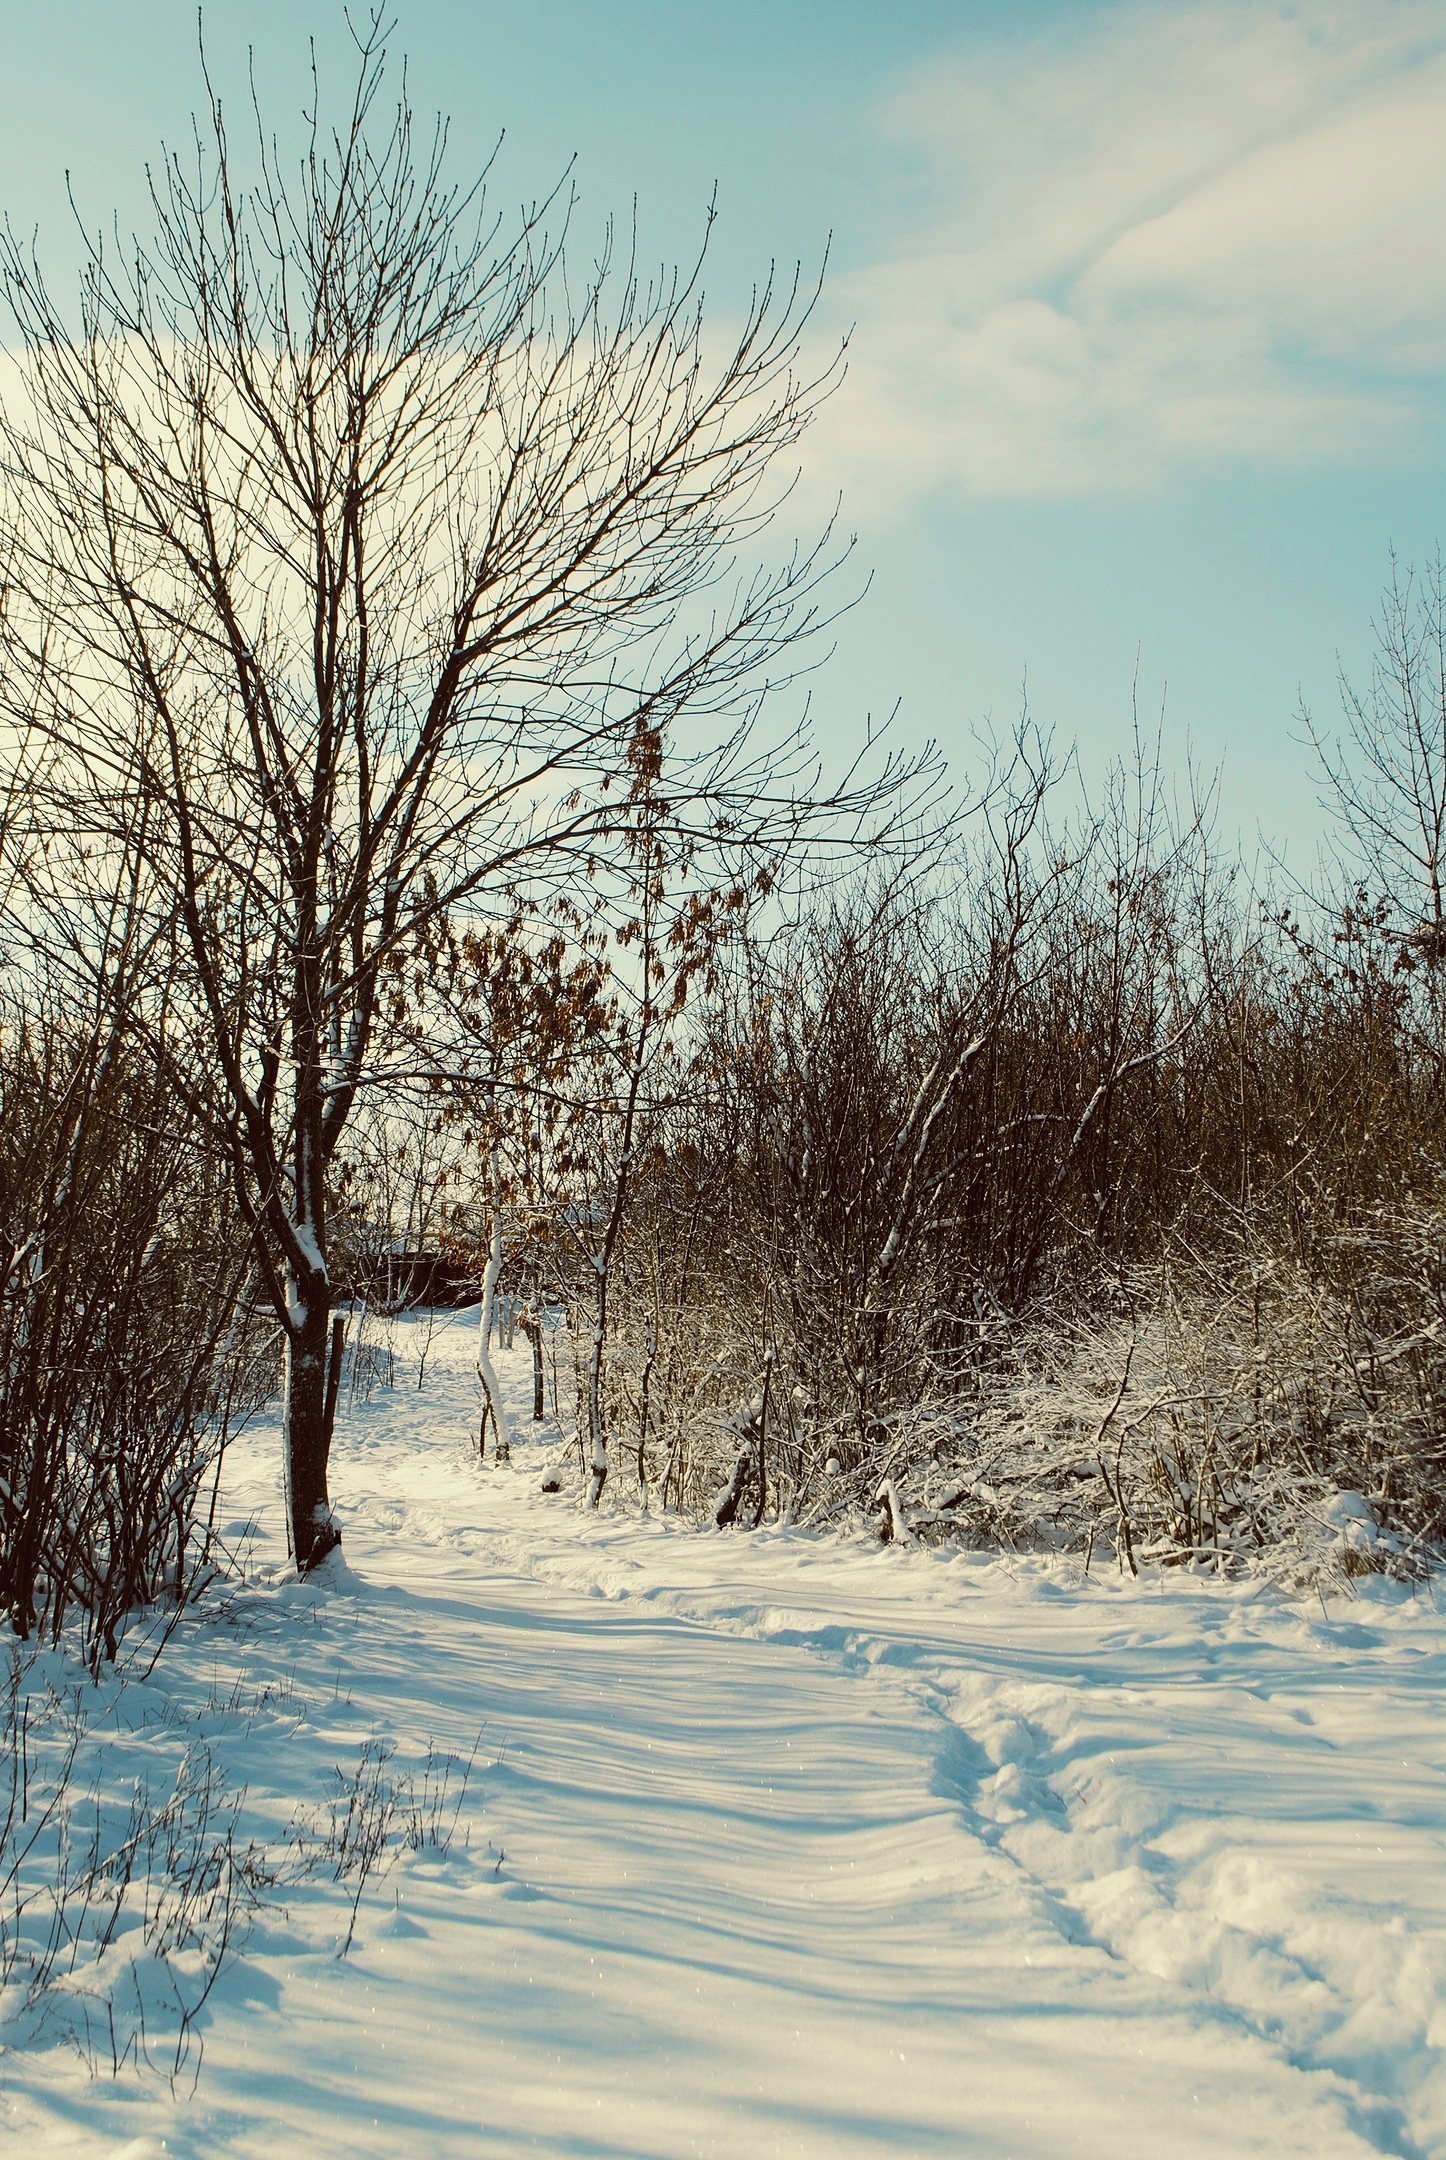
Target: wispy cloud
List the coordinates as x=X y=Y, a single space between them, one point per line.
x=1157 y=237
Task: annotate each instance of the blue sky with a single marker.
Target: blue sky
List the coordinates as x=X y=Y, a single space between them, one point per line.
x=1148 y=304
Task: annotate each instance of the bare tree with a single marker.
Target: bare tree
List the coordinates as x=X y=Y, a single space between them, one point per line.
x=669 y=933
x=357 y=542
x=1385 y=783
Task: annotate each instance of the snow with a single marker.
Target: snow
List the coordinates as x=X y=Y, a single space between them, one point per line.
x=780 y=1844
x=305 y=1236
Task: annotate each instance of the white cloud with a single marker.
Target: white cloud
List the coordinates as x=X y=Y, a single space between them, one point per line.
x=1158 y=238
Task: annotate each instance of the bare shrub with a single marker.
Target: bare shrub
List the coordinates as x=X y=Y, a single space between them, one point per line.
x=125 y=1350
x=117 y=1913
x=373 y=1812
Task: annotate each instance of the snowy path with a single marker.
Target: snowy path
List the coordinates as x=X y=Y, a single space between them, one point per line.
x=808 y=1848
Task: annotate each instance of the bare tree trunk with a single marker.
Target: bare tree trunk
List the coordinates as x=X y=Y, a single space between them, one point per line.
x=596 y=1429
x=530 y=1321
x=305 y=1430
x=486 y=1373
x=744 y=1468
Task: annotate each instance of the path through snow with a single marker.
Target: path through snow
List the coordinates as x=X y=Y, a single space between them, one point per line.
x=802 y=1846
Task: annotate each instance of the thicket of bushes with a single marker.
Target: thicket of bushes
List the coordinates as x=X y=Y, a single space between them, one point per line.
x=1086 y=1196
x=125 y=1347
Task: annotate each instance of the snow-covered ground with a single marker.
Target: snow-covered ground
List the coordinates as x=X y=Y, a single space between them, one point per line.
x=792 y=1845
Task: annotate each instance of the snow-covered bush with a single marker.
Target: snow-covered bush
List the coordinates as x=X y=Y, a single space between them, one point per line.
x=1246 y=1409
